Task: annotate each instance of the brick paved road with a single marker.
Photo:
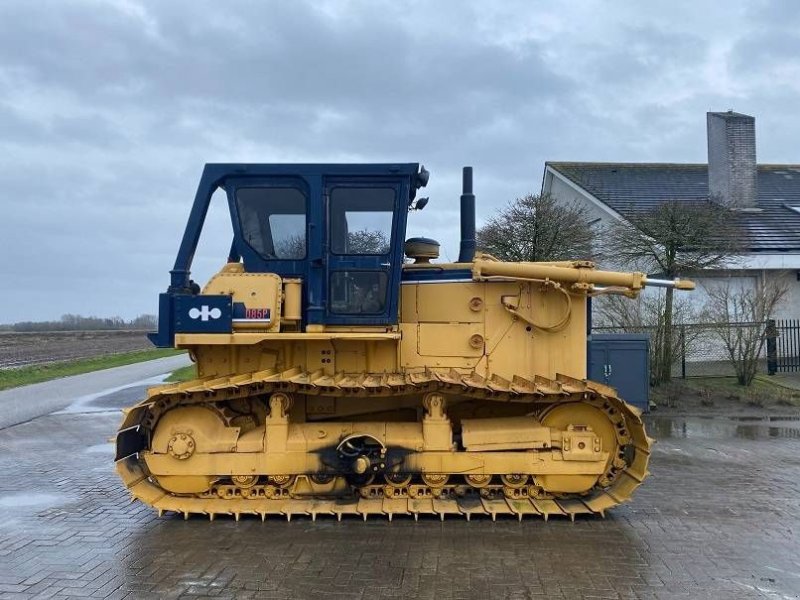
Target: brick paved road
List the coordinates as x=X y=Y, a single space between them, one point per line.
x=719 y=519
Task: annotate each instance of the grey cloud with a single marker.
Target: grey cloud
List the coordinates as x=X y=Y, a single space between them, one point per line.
x=763 y=49
x=109 y=110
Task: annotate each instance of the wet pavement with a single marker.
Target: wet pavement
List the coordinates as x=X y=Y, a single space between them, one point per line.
x=719 y=518
x=22 y=404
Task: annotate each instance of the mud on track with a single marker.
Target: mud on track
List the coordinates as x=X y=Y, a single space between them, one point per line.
x=22 y=349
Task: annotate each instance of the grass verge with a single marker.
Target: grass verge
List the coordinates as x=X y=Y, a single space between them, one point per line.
x=183 y=374
x=10 y=378
x=721 y=392
x=729 y=385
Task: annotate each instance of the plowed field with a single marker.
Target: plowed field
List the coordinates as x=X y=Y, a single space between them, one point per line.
x=21 y=349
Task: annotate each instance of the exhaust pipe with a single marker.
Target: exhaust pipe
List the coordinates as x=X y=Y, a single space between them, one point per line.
x=467 y=250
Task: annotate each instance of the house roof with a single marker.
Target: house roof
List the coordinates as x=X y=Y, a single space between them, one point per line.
x=630 y=188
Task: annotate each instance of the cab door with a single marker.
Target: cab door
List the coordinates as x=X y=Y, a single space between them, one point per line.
x=364 y=231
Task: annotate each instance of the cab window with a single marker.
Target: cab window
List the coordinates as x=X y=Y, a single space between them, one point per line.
x=273 y=221
x=361 y=220
x=358 y=292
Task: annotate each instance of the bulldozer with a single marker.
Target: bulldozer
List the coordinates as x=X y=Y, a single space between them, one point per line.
x=344 y=370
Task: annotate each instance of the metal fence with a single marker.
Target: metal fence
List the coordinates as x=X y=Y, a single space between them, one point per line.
x=699 y=349
x=784 y=343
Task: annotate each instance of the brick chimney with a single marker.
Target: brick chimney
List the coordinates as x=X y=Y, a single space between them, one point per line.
x=732 y=159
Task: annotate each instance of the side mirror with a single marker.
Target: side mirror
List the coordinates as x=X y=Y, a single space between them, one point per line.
x=422 y=177
x=420 y=204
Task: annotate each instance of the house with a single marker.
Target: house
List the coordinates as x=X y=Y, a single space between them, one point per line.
x=767 y=198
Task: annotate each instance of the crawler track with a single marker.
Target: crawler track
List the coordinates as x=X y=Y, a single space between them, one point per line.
x=625 y=474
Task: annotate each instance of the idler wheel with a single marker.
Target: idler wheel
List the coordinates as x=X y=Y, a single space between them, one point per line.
x=587 y=416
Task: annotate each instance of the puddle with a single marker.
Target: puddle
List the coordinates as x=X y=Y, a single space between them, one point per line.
x=24 y=499
x=766 y=419
x=127 y=395
x=748 y=428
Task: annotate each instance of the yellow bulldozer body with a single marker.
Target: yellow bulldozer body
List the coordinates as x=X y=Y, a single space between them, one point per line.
x=472 y=399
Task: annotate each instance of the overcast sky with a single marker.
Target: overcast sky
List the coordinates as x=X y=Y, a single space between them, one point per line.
x=108 y=111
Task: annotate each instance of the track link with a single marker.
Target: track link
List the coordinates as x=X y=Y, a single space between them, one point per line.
x=620 y=482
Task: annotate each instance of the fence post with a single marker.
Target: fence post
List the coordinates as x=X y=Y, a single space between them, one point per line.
x=683 y=351
x=771 y=334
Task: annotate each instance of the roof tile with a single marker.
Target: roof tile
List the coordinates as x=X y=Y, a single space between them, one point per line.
x=630 y=188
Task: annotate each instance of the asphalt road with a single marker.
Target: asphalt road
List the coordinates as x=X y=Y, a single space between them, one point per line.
x=717 y=519
x=18 y=405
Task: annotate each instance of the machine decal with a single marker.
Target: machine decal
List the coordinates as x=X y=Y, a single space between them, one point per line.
x=204 y=313
x=257 y=314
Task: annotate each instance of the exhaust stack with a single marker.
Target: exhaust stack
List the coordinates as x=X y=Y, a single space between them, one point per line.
x=467 y=250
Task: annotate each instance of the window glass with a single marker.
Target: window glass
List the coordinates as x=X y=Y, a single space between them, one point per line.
x=273 y=221
x=361 y=220
x=358 y=292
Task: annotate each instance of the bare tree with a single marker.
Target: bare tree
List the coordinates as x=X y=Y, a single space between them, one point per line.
x=646 y=316
x=362 y=241
x=675 y=237
x=291 y=246
x=537 y=228
x=741 y=314
x=72 y=322
x=367 y=241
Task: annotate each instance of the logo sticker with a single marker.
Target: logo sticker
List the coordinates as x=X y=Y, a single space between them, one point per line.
x=204 y=313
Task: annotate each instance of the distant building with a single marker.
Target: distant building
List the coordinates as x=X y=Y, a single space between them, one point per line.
x=766 y=196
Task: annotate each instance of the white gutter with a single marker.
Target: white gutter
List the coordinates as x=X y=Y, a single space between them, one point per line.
x=598 y=203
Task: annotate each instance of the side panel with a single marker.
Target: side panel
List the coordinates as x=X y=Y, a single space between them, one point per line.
x=450 y=303
x=451 y=340
x=539 y=341
x=467 y=326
